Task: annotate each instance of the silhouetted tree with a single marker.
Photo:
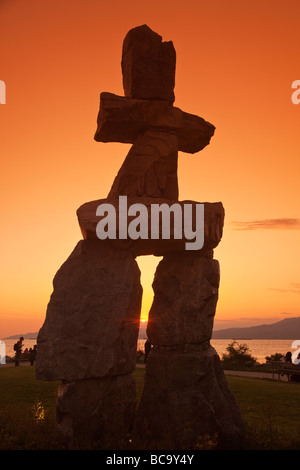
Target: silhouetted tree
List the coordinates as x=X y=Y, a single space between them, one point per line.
x=274 y=357
x=238 y=356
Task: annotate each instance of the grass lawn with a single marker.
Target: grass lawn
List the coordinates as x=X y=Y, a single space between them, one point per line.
x=270 y=409
x=27 y=412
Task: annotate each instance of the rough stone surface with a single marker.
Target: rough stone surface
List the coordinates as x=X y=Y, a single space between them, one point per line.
x=213 y=226
x=150 y=168
x=148 y=65
x=96 y=411
x=122 y=119
x=186 y=399
x=89 y=337
x=185 y=298
x=92 y=319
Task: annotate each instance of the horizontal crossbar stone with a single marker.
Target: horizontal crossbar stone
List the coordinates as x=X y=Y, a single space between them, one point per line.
x=213 y=227
x=122 y=119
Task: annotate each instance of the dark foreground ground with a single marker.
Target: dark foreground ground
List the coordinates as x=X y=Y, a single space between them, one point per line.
x=270 y=409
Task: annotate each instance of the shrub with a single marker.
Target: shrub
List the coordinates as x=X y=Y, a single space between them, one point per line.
x=274 y=357
x=238 y=356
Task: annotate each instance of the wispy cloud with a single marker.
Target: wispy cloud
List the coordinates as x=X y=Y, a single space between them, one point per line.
x=274 y=224
x=290 y=314
x=294 y=288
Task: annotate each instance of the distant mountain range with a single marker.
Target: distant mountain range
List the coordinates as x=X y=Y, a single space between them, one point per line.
x=142 y=333
x=25 y=336
x=284 y=329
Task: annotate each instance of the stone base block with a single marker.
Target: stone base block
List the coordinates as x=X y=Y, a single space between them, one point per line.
x=186 y=399
x=96 y=413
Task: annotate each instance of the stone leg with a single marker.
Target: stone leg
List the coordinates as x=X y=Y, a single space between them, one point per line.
x=92 y=320
x=89 y=339
x=185 y=397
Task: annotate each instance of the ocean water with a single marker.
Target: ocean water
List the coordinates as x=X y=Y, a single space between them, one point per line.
x=259 y=348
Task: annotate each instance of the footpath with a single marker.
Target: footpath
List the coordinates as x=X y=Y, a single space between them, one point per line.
x=257 y=375
x=242 y=373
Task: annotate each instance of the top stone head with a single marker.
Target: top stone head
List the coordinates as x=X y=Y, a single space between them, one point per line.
x=148 y=65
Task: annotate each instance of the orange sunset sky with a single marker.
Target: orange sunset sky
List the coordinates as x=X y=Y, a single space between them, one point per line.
x=236 y=61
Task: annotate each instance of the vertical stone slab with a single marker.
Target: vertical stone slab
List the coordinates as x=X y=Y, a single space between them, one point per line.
x=150 y=168
x=185 y=297
x=92 y=320
x=148 y=65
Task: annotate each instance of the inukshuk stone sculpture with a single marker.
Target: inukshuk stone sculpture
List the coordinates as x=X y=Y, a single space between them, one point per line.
x=89 y=337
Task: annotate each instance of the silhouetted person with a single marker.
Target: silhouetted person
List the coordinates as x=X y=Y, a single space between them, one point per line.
x=288 y=357
x=19 y=346
x=147 y=349
x=32 y=355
